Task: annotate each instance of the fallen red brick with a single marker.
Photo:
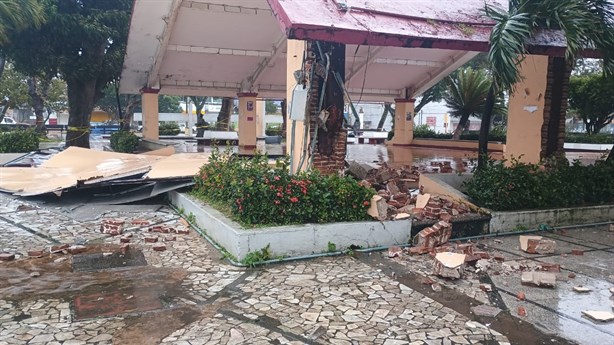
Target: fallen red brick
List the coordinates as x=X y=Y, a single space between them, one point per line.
x=124 y=240
x=151 y=239
x=7 y=256
x=159 y=248
x=571 y=275
x=36 y=253
x=521 y=296
x=551 y=267
x=170 y=238
x=577 y=252
x=522 y=311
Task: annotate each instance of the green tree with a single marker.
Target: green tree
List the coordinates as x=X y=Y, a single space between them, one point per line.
x=85 y=41
x=13 y=90
x=466 y=96
x=592 y=96
x=584 y=23
x=270 y=107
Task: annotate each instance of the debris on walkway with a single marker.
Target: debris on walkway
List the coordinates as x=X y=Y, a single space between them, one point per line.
x=597 y=315
x=541 y=279
x=537 y=245
x=485 y=311
x=77 y=167
x=449 y=265
x=433 y=236
x=582 y=289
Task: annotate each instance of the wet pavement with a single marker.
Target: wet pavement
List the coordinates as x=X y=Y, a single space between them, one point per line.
x=187 y=294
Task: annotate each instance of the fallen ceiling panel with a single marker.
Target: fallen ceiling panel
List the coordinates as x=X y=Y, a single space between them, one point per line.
x=177 y=166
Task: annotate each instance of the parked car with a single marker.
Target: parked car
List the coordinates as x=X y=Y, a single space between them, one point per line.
x=9 y=121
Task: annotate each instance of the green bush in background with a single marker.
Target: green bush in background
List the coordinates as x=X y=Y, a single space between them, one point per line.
x=258 y=194
x=18 y=141
x=599 y=138
x=553 y=184
x=169 y=128
x=123 y=141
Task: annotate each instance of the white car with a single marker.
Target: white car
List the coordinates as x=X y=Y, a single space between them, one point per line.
x=8 y=121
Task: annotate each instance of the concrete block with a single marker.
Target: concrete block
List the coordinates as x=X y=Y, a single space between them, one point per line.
x=449 y=265
x=541 y=279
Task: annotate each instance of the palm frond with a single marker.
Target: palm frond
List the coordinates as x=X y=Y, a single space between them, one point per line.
x=507 y=45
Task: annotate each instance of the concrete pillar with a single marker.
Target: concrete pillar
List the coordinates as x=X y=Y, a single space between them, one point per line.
x=294 y=60
x=247 y=120
x=526 y=111
x=403 y=122
x=260 y=119
x=149 y=101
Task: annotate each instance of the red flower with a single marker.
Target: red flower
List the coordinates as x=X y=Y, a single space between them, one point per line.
x=276 y=178
x=277 y=202
x=293 y=199
x=279 y=195
x=366 y=203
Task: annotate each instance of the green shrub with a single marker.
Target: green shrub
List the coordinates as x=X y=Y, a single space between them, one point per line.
x=169 y=128
x=273 y=130
x=258 y=194
x=556 y=183
x=18 y=141
x=599 y=138
x=123 y=141
x=423 y=131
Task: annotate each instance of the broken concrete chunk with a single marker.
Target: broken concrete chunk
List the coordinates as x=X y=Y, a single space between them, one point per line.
x=485 y=310
x=541 y=279
x=401 y=216
x=598 y=315
x=76 y=249
x=394 y=251
x=537 y=245
x=378 y=208
x=582 y=289
x=422 y=200
x=486 y=287
x=450 y=265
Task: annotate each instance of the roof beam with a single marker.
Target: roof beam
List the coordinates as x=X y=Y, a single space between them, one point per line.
x=153 y=79
x=264 y=63
x=219 y=51
x=437 y=75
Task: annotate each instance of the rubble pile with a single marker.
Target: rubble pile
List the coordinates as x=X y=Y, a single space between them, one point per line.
x=398 y=195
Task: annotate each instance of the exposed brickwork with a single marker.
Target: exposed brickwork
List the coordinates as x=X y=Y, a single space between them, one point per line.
x=557 y=86
x=324 y=163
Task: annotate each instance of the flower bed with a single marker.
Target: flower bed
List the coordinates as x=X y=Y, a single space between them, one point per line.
x=255 y=193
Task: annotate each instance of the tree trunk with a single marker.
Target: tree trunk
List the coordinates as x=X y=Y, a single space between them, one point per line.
x=553 y=128
x=131 y=102
x=37 y=95
x=223 y=117
x=382 y=119
x=461 y=127
x=284 y=113
x=485 y=128
x=2 y=64
x=200 y=117
x=81 y=94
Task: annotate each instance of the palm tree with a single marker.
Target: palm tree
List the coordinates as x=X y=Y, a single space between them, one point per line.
x=584 y=23
x=466 y=96
x=16 y=15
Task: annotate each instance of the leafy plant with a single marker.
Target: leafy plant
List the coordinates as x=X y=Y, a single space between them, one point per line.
x=598 y=138
x=331 y=247
x=19 y=141
x=122 y=141
x=257 y=257
x=168 y=128
x=554 y=183
x=260 y=194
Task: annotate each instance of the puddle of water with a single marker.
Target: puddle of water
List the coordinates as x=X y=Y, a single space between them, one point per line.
x=100 y=261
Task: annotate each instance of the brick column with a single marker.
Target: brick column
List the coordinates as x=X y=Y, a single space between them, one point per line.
x=149 y=101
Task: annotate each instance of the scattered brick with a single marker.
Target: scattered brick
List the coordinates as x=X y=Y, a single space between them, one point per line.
x=124 y=248
x=486 y=287
x=541 y=279
x=182 y=231
x=449 y=265
x=58 y=248
x=394 y=252
x=571 y=275
x=124 y=240
x=151 y=239
x=7 y=256
x=76 y=249
x=170 y=238
x=184 y=222
x=159 y=248
x=537 y=245
x=434 y=236
x=551 y=267
x=522 y=311
x=112 y=227
x=140 y=222
x=577 y=252
x=521 y=296
x=418 y=250
x=36 y=253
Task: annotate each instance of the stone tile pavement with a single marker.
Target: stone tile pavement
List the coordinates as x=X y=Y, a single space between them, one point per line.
x=200 y=298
